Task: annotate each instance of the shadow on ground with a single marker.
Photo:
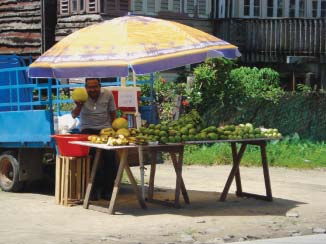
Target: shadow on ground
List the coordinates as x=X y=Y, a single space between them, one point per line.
x=202 y=203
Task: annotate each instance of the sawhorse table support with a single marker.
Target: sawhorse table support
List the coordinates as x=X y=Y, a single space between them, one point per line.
x=176 y=153
x=123 y=165
x=235 y=172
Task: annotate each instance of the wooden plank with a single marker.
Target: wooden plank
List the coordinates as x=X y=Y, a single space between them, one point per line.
x=234 y=170
x=237 y=174
x=57 y=180
x=92 y=178
x=266 y=171
x=123 y=154
x=135 y=187
x=152 y=175
x=62 y=180
x=88 y=167
x=79 y=177
x=66 y=181
x=72 y=178
x=177 y=163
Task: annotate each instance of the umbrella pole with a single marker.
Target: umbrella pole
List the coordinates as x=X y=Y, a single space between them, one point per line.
x=140 y=148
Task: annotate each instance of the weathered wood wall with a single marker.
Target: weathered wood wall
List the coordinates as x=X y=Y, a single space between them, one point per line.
x=272 y=40
x=68 y=24
x=20 y=27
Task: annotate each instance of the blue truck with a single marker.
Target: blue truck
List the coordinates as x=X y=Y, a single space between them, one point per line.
x=28 y=112
x=28 y=108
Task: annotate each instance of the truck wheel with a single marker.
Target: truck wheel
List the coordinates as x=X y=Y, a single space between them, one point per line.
x=9 y=173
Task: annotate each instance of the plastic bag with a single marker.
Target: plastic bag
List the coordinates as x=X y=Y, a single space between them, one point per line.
x=66 y=123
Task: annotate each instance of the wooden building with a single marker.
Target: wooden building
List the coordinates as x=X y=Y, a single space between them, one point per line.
x=27 y=26
x=288 y=35
x=74 y=14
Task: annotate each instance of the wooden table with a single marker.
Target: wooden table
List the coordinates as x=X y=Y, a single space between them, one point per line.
x=176 y=152
x=235 y=171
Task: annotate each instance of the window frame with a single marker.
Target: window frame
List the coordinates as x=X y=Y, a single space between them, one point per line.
x=78 y=9
x=170 y=4
x=320 y=10
x=251 y=9
x=92 y=9
x=64 y=7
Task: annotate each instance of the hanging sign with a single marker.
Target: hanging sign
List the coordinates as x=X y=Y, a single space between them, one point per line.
x=127 y=99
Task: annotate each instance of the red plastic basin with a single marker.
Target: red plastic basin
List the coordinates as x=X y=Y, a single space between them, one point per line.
x=67 y=149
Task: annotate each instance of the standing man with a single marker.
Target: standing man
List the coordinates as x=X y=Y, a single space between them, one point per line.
x=97 y=113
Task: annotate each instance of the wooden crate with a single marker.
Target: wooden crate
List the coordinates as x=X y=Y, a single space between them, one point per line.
x=71 y=179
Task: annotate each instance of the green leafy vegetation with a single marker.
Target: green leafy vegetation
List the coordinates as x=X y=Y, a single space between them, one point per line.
x=290 y=152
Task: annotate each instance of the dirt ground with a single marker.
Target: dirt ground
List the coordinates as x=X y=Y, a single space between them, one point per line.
x=298 y=209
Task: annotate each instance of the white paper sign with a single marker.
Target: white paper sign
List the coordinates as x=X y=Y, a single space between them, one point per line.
x=127 y=99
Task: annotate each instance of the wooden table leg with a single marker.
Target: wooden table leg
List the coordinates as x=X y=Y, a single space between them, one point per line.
x=177 y=163
x=91 y=180
x=152 y=175
x=237 y=174
x=58 y=189
x=234 y=170
x=266 y=172
x=134 y=185
x=123 y=155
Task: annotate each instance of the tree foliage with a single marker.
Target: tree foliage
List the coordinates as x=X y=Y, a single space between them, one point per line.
x=226 y=89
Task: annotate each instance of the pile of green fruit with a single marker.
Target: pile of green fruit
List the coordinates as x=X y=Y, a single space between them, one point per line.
x=189 y=128
x=245 y=131
x=183 y=129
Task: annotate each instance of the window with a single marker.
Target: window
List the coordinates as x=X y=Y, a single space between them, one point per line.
x=64 y=7
x=251 y=8
x=256 y=7
x=92 y=6
x=323 y=9
x=221 y=9
x=190 y=7
x=246 y=8
x=292 y=8
x=114 y=6
x=318 y=8
x=280 y=7
x=138 y=5
x=302 y=8
x=314 y=8
x=297 y=8
x=177 y=6
x=164 y=5
x=270 y=8
x=77 y=6
x=151 y=6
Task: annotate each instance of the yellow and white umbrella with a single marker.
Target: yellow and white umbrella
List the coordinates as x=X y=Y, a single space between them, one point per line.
x=142 y=44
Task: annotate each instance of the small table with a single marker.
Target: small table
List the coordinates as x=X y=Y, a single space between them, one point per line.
x=235 y=171
x=176 y=152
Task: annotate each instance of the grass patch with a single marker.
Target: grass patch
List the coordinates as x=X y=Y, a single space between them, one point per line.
x=289 y=152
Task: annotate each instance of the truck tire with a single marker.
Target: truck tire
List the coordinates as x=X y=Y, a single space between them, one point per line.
x=9 y=172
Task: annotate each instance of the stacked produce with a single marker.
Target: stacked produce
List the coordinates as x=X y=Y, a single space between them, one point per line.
x=119 y=135
x=187 y=128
